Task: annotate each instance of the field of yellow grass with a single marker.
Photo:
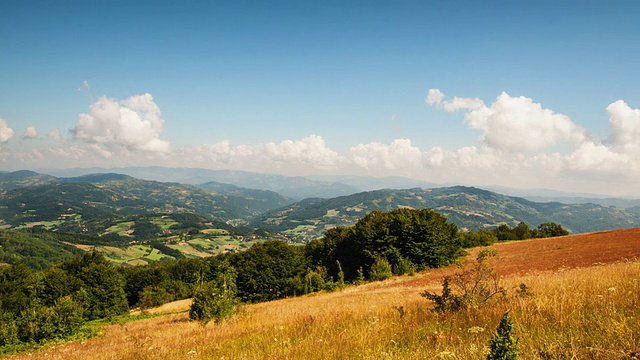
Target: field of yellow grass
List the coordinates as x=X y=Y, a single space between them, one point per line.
x=573 y=311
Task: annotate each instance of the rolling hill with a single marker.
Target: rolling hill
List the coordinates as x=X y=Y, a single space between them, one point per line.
x=467 y=207
x=94 y=203
x=91 y=203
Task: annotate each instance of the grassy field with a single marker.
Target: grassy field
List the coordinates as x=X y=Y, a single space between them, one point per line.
x=583 y=302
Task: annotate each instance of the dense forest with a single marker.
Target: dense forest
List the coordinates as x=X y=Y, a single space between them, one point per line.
x=53 y=299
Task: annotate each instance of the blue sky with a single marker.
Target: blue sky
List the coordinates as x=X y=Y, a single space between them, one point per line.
x=530 y=94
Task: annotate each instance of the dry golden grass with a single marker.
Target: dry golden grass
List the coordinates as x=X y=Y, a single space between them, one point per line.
x=169 y=308
x=574 y=313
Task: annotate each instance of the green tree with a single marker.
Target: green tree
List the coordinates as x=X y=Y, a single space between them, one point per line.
x=505 y=232
x=102 y=290
x=266 y=270
x=551 y=229
x=522 y=231
x=422 y=236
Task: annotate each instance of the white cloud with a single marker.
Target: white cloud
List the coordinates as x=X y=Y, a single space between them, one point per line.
x=522 y=144
x=434 y=97
x=597 y=158
x=516 y=124
x=295 y=156
x=399 y=155
x=625 y=123
x=311 y=150
x=55 y=135
x=6 y=133
x=30 y=133
x=134 y=123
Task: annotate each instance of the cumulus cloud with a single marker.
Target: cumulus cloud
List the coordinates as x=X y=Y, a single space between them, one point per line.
x=135 y=124
x=591 y=158
x=55 y=135
x=434 y=97
x=399 y=155
x=311 y=150
x=625 y=123
x=30 y=133
x=521 y=144
x=293 y=156
x=6 y=133
x=514 y=124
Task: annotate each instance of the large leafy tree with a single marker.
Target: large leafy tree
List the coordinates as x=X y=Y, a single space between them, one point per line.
x=266 y=270
x=423 y=237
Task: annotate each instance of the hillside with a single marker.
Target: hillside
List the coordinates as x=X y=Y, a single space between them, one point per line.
x=579 y=295
x=96 y=204
x=295 y=187
x=467 y=207
x=92 y=203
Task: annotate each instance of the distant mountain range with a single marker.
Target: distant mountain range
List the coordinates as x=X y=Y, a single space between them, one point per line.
x=88 y=203
x=83 y=202
x=467 y=207
x=326 y=186
x=297 y=188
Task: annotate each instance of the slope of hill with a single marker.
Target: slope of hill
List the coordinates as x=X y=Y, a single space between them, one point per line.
x=467 y=207
x=37 y=249
x=579 y=306
x=90 y=203
x=23 y=178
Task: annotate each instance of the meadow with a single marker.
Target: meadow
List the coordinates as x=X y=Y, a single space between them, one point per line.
x=582 y=302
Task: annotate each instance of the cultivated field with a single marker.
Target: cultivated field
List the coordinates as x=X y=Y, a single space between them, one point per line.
x=583 y=302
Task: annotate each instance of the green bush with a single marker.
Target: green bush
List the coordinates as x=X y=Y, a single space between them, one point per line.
x=380 y=270
x=503 y=346
x=8 y=330
x=404 y=266
x=215 y=300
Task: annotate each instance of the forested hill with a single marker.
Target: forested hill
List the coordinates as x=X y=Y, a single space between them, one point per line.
x=95 y=203
x=84 y=204
x=467 y=207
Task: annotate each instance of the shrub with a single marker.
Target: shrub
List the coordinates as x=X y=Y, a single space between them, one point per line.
x=154 y=295
x=503 y=346
x=215 y=300
x=380 y=270
x=475 y=286
x=404 y=266
x=8 y=329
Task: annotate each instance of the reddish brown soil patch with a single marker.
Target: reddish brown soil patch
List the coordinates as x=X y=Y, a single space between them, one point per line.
x=521 y=257
x=531 y=256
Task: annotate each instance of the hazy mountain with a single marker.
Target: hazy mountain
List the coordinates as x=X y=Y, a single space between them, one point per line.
x=88 y=203
x=23 y=178
x=465 y=206
x=293 y=187
x=369 y=183
x=546 y=195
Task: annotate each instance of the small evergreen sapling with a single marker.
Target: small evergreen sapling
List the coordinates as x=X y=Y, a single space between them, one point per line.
x=503 y=346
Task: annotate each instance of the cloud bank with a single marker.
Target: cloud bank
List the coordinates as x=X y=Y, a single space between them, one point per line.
x=520 y=144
